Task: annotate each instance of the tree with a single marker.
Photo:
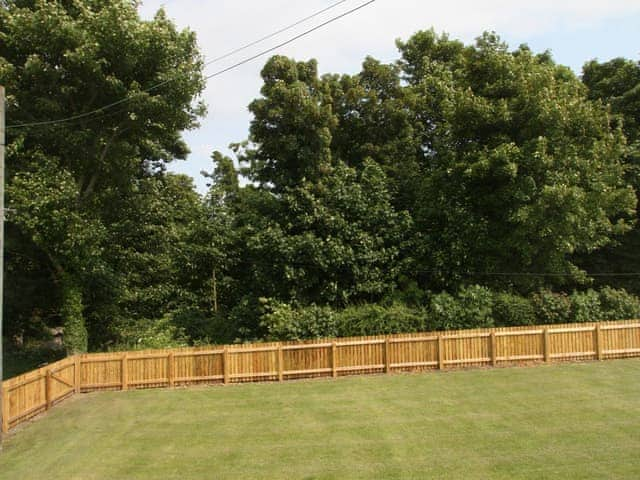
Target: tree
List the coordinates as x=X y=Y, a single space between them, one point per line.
x=290 y=134
x=65 y=59
x=334 y=241
x=617 y=84
x=520 y=169
x=376 y=121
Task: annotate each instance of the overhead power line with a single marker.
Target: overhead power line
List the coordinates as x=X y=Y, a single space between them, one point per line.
x=101 y=110
x=297 y=263
x=291 y=40
x=277 y=32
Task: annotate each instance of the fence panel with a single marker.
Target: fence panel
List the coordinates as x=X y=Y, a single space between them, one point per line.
x=34 y=392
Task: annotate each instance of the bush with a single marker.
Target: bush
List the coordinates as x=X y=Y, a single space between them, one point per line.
x=585 y=306
x=618 y=304
x=551 y=307
x=378 y=320
x=76 y=338
x=285 y=322
x=470 y=308
x=281 y=321
x=513 y=310
x=151 y=334
x=243 y=320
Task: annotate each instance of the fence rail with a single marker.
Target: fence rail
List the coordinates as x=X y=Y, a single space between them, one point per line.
x=37 y=391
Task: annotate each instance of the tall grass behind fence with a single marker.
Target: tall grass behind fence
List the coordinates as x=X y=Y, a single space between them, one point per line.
x=34 y=392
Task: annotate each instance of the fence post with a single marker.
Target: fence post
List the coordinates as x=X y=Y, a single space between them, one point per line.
x=170 y=369
x=225 y=365
x=598 y=342
x=5 y=409
x=124 y=373
x=494 y=349
x=47 y=389
x=77 y=378
x=547 y=344
x=334 y=366
x=387 y=355
x=440 y=352
x=280 y=364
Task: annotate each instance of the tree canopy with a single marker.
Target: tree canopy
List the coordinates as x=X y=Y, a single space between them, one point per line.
x=68 y=181
x=459 y=186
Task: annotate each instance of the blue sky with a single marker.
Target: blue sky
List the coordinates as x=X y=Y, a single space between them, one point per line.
x=574 y=30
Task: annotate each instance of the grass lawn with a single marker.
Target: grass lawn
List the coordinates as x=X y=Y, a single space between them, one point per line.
x=568 y=421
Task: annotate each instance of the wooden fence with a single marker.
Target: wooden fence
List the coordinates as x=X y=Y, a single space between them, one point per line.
x=34 y=392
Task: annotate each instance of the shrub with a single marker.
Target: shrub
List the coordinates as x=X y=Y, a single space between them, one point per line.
x=585 y=306
x=284 y=322
x=618 y=304
x=470 y=308
x=551 y=307
x=195 y=324
x=513 y=310
x=151 y=334
x=379 y=320
x=76 y=338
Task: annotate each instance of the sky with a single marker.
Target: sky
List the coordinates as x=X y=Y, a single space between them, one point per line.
x=575 y=31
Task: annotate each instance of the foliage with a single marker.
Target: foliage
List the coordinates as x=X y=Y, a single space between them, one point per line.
x=76 y=338
x=335 y=241
x=72 y=184
x=585 y=306
x=494 y=177
x=283 y=322
x=616 y=83
x=618 y=304
x=471 y=307
x=371 y=319
x=551 y=307
x=512 y=310
x=150 y=334
x=520 y=170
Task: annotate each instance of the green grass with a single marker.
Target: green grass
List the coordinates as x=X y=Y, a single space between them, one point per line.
x=569 y=421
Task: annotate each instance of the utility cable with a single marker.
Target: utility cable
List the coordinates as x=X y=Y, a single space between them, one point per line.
x=291 y=40
x=277 y=32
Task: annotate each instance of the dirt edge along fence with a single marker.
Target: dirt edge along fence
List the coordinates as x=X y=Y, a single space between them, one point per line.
x=35 y=392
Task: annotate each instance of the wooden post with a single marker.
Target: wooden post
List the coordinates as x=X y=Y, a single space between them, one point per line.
x=124 y=373
x=280 y=364
x=598 y=341
x=494 y=348
x=47 y=389
x=546 y=344
x=77 y=379
x=387 y=356
x=440 y=352
x=5 y=412
x=225 y=365
x=170 y=369
x=334 y=366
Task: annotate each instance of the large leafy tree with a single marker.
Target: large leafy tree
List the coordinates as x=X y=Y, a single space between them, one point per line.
x=520 y=169
x=334 y=241
x=291 y=132
x=616 y=83
x=68 y=180
x=320 y=225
